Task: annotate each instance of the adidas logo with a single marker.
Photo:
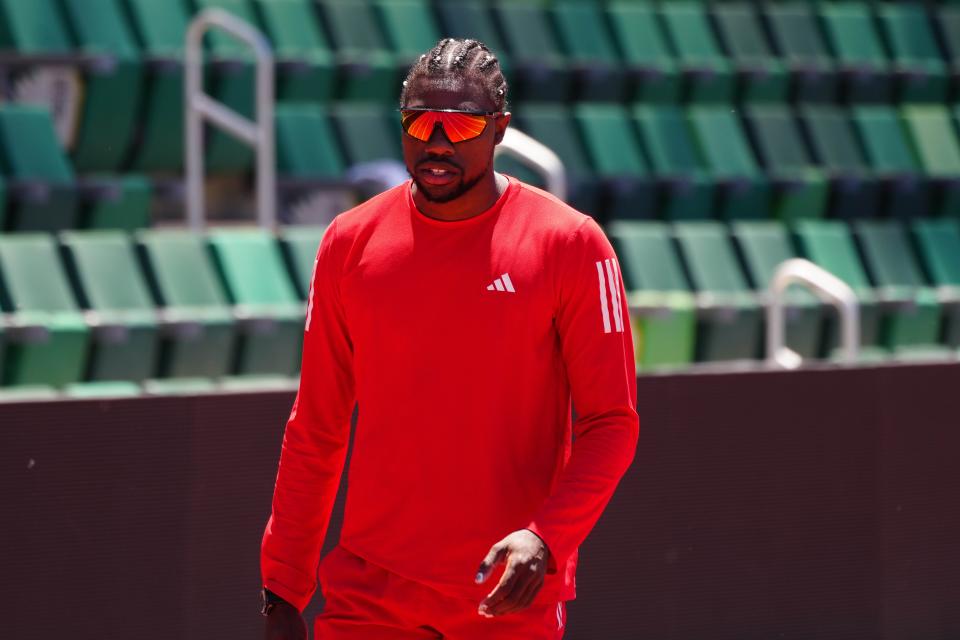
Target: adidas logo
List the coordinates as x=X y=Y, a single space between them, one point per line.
x=502 y=283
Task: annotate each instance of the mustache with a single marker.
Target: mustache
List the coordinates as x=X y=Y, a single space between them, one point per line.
x=438 y=160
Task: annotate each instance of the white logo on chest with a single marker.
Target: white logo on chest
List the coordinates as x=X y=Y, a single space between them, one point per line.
x=503 y=283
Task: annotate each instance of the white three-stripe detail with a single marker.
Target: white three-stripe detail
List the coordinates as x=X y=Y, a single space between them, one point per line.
x=498 y=284
x=313 y=279
x=506 y=281
x=613 y=281
x=603 y=298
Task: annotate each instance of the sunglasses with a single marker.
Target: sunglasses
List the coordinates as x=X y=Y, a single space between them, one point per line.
x=458 y=125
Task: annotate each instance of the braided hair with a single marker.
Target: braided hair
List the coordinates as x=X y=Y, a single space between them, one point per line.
x=461 y=57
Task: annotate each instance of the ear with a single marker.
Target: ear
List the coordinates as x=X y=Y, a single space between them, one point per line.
x=502 y=122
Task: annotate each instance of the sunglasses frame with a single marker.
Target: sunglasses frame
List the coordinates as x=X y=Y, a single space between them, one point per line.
x=469 y=112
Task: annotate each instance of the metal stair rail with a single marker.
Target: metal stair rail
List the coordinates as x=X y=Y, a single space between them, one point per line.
x=830 y=289
x=538 y=157
x=200 y=108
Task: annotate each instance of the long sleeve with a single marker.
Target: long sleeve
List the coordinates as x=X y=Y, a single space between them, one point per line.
x=315 y=440
x=597 y=350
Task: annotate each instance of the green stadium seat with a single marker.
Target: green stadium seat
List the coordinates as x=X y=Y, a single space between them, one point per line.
x=47 y=337
x=662 y=308
x=369 y=71
x=306 y=144
x=108 y=283
x=124 y=203
x=764 y=247
x=938 y=247
x=855 y=193
x=251 y=268
x=199 y=328
x=3 y=195
x=895 y=272
x=306 y=66
x=553 y=125
x=935 y=141
x=640 y=38
x=588 y=44
x=539 y=69
x=368 y=132
x=893 y=158
x=612 y=145
x=730 y=313
x=802 y=189
x=796 y=33
x=31 y=155
x=858 y=49
x=160 y=29
x=947 y=22
x=102 y=389
x=111 y=92
x=474 y=19
x=676 y=162
x=829 y=244
x=762 y=76
x=707 y=72
x=923 y=76
x=411 y=28
x=28 y=393
x=300 y=245
x=723 y=144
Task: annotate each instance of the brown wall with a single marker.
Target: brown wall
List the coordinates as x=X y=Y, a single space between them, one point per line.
x=749 y=512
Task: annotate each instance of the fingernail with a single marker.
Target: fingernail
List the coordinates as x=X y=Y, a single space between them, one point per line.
x=479 y=577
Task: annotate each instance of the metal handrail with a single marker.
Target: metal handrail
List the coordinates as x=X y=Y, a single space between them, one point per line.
x=538 y=157
x=830 y=289
x=200 y=107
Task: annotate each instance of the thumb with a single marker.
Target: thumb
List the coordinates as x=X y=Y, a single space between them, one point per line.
x=494 y=557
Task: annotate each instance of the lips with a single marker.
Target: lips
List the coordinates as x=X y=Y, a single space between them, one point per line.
x=437 y=173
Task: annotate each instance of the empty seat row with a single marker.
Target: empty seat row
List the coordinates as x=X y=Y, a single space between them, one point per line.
x=106 y=306
x=697 y=288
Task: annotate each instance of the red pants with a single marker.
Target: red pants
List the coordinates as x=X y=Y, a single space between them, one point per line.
x=367 y=602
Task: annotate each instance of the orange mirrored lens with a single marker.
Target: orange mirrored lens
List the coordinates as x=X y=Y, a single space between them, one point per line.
x=457 y=126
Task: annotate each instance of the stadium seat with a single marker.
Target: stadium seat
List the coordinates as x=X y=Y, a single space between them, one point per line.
x=801 y=188
x=306 y=68
x=829 y=244
x=369 y=71
x=895 y=272
x=893 y=159
x=935 y=141
x=762 y=76
x=612 y=145
x=662 y=308
x=368 y=132
x=271 y=314
x=474 y=19
x=47 y=337
x=938 y=247
x=111 y=92
x=854 y=190
x=921 y=72
x=300 y=245
x=729 y=326
x=410 y=26
x=109 y=285
x=859 y=51
x=745 y=191
x=637 y=32
x=540 y=71
x=306 y=144
x=706 y=71
x=947 y=23
x=553 y=125
x=764 y=247
x=589 y=47
x=796 y=33
x=199 y=328
x=676 y=162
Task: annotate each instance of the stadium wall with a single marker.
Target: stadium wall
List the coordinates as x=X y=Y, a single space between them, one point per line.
x=816 y=504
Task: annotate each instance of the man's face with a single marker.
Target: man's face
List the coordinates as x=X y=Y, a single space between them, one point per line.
x=444 y=171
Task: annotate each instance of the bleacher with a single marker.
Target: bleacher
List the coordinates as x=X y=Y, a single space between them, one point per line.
x=714 y=140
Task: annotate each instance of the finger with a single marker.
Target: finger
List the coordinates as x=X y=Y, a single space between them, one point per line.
x=511 y=601
x=494 y=557
x=507 y=581
x=526 y=599
x=504 y=596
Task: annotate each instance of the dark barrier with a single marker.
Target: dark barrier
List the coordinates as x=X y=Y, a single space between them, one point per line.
x=820 y=504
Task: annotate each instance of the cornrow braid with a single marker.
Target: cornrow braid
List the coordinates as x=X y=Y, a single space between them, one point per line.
x=461 y=57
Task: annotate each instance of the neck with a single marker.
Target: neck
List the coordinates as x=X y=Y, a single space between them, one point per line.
x=474 y=201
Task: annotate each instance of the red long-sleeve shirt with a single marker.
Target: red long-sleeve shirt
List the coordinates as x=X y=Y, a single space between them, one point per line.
x=463 y=342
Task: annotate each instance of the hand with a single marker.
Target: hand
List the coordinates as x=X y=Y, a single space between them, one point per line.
x=285 y=623
x=526 y=556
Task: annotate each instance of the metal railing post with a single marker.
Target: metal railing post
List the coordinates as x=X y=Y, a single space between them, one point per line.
x=538 y=156
x=200 y=108
x=829 y=288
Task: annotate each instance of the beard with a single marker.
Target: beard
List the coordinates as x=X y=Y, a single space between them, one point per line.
x=456 y=190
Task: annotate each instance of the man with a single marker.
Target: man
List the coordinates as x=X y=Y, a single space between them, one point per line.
x=462 y=310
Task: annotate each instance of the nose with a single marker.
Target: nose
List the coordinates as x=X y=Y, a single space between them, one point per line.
x=438 y=144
